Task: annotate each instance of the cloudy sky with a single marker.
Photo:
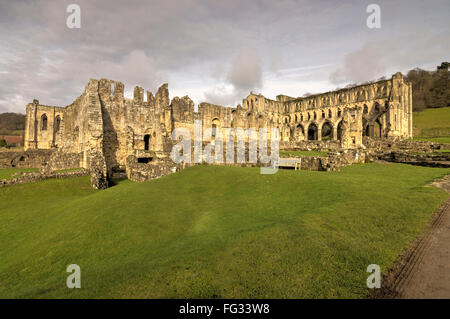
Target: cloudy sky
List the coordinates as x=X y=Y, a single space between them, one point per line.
x=214 y=51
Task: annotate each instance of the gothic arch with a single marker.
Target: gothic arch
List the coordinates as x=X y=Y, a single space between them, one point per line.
x=44 y=122
x=339 y=130
x=215 y=125
x=57 y=123
x=327 y=130
x=313 y=131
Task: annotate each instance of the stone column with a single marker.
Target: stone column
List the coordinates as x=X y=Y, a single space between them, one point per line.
x=371 y=132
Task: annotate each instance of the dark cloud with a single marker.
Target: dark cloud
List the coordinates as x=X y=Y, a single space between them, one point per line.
x=196 y=45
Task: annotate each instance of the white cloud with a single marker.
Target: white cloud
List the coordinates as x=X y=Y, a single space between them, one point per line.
x=196 y=46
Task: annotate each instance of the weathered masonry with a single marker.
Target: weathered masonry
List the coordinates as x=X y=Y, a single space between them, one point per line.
x=105 y=130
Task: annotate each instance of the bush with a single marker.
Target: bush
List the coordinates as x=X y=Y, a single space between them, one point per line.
x=3 y=143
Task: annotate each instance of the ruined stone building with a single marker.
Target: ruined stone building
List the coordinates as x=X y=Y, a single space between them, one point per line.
x=103 y=129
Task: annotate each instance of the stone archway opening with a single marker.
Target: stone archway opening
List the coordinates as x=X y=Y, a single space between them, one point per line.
x=44 y=121
x=215 y=126
x=365 y=128
x=299 y=133
x=377 y=129
x=327 y=131
x=340 y=128
x=312 y=132
x=147 y=142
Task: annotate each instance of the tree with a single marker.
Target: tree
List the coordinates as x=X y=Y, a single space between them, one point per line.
x=430 y=88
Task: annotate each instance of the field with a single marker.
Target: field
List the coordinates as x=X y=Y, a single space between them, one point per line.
x=213 y=232
x=432 y=125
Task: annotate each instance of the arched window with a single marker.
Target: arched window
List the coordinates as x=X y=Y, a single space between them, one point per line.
x=232 y=117
x=147 y=142
x=214 y=126
x=339 y=113
x=43 y=122
x=57 y=124
x=330 y=114
x=340 y=128
x=366 y=110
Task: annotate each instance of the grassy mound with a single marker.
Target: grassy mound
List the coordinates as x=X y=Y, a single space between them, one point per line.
x=212 y=232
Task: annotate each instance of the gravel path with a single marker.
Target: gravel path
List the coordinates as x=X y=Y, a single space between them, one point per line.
x=425 y=270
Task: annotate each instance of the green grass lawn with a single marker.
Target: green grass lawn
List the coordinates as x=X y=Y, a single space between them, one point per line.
x=213 y=231
x=431 y=124
x=302 y=153
x=6 y=173
x=443 y=140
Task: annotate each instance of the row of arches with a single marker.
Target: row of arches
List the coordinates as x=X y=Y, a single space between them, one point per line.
x=253 y=118
x=325 y=131
x=340 y=98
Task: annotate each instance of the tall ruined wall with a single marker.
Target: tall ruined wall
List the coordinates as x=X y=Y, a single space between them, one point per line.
x=139 y=126
x=103 y=128
x=43 y=126
x=386 y=103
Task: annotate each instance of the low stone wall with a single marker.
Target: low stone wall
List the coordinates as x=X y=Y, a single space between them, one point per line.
x=61 y=160
x=140 y=172
x=397 y=144
x=334 y=160
x=311 y=145
x=431 y=159
x=25 y=159
x=28 y=177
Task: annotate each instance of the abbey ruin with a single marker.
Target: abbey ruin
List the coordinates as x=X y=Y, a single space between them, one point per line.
x=105 y=132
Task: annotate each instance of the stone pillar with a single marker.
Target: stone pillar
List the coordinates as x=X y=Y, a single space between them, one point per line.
x=319 y=134
x=335 y=133
x=371 y=132
x=31 y=126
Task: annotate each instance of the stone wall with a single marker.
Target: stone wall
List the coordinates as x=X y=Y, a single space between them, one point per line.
x=435 y=159
x=104 y=128
x=140 y=172
x=25 y=159
x=61 y=160
x=334 y=161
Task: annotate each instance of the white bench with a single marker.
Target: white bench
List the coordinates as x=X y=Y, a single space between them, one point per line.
x=290 y=162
